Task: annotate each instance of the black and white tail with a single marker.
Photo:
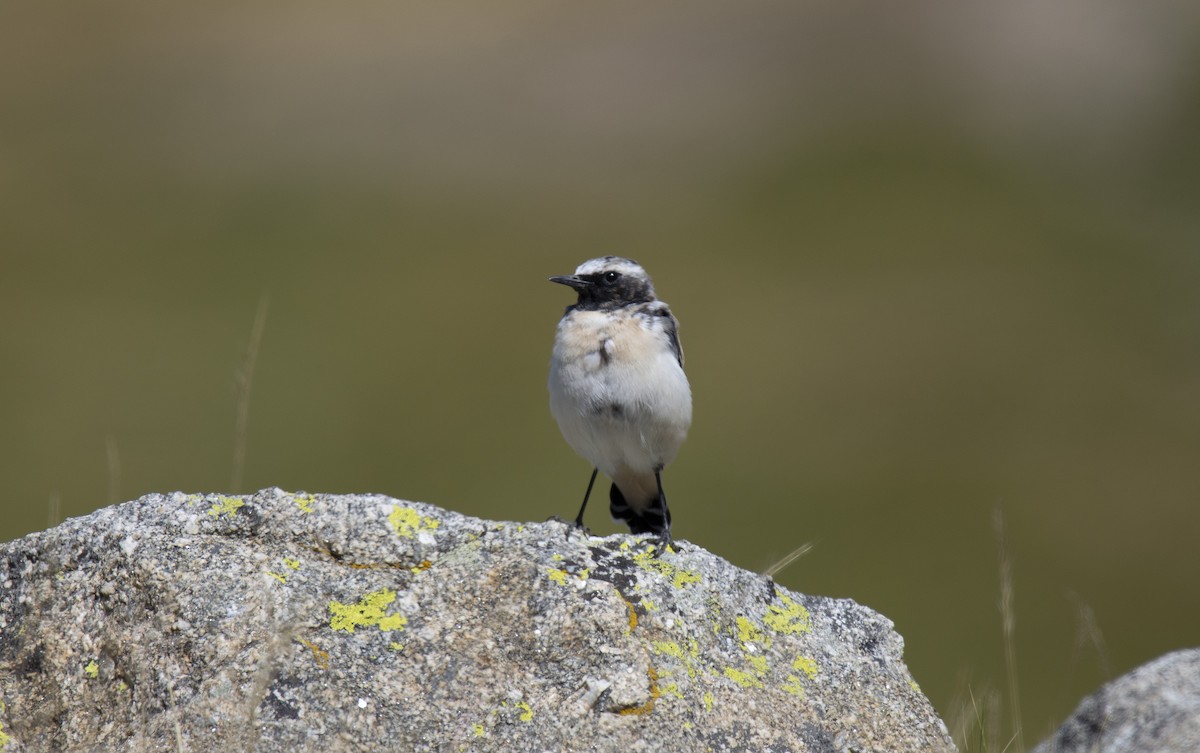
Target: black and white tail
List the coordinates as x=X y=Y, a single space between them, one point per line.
x=653 y=517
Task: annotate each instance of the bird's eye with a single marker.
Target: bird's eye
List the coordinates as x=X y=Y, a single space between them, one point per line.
x=612 y=276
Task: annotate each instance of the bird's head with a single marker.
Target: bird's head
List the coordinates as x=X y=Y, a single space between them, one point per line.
x=609 y=281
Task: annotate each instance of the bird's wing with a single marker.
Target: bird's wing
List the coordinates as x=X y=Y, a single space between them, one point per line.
x=671 y=330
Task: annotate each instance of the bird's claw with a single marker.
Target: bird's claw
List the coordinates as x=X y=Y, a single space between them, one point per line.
x=572 y=526
x=663 y=544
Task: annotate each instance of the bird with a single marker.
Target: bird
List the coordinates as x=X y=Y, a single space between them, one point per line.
x=618 y=390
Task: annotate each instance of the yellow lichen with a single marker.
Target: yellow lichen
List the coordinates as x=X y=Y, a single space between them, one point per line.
x=679 y=577
x=708 y=701
x=688 y=656
x=714 y=609
x=806 y=665
x=278 y=576
x=788 y=619
x=293 y=564
x=526 y=711
x=226 y=506
x=673 y=689
x=558 y=576
x=406 y=521
x=758 y=663
x=753 y=641
x=745 y=679
x=304 y=502
x=748 y=632
x=92 y=669
x=393 y=622
x=370 y=610
x=793 y=686
x=396 y=646
x=478 y=730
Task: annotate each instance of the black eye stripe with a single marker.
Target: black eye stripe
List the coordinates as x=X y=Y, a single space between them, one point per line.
x=611 y=288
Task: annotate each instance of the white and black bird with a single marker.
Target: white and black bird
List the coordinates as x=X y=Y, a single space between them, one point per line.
x=617 y=388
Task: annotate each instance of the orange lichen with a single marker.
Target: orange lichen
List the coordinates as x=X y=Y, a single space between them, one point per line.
x=319 y=656
x=648 y=706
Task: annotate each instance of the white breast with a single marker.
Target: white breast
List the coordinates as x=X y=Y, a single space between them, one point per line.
x=620 y=397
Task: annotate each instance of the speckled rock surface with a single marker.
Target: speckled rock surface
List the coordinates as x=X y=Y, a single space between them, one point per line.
x=1153 y=709
x=285 y=622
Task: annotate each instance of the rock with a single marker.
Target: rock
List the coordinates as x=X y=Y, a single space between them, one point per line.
x=285 y=622
x=1153 y=709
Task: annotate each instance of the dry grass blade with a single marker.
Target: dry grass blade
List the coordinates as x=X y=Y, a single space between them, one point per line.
x=1009 y=623
x=54 y=510
x=245 y=380
x=114 y=469
x=795 y=554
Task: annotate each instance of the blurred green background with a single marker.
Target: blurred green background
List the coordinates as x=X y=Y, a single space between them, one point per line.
x=930 y=260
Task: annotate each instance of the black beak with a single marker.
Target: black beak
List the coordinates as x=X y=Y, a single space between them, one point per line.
x=573 y=281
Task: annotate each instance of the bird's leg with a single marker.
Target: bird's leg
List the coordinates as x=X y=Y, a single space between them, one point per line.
x=664 y=537
x=579 y=518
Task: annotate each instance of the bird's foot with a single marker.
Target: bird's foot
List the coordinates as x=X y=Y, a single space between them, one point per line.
x=663 y=543
x=572 y=525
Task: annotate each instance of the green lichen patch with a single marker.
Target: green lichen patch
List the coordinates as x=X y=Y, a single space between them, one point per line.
x=92 y=670
x=755 y=643
x=794 y=684
x=807 y=666
x=679 y=577
x=671 y=689
x=526 y=711
x=226 y=506
x=745 y=679
x=789 y=619
x=688 y=654
x=406 y=521
x=749 y=633
x=288 y=562
x=369 y=611
x=304 y=502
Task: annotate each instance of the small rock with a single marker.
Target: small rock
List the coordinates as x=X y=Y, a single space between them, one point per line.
x=1153 y=709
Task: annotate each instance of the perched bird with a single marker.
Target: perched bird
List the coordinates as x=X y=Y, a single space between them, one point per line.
x=617 y=388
